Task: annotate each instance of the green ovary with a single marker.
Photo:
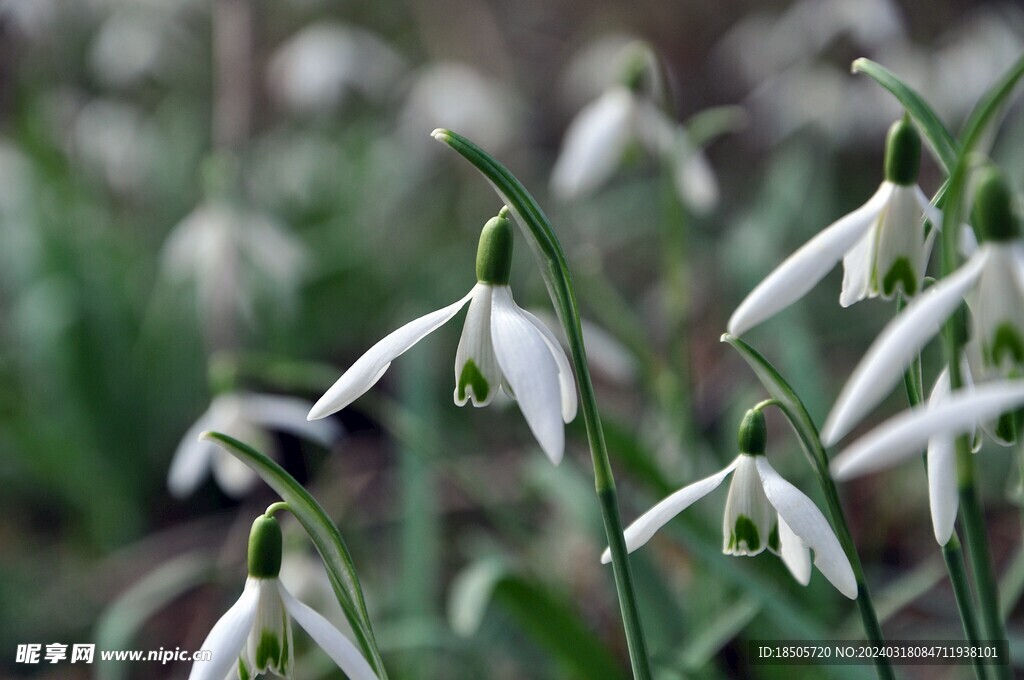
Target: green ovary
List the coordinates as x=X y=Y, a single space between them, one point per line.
x=472 y=377
x=745 y=533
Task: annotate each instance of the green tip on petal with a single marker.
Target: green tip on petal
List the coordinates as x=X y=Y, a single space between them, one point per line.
x=993 y=207
x=473 y=378
x=902 y=153
x=1007 y=343
x=494 y=254
x=753 y=434
x=901 y=274
x=265 y=543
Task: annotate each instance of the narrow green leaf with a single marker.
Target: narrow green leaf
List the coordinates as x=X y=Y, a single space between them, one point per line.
x=325 y=536
x=991 y=104
x=788 y=401
x=703 y=127
x=943 y=145
x=551 y=622
x=118 y=625
x=717 y=633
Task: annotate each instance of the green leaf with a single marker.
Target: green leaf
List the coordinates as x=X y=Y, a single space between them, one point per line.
x=717 y=633
x=703 y=127
x=325 y=536
x=944 y=146
x=990 y=105
x=546 y=617
x=118 y=625
x=540 y=234
x=977 y=124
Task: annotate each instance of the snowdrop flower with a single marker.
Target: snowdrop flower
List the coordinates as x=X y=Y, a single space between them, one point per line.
x=501 y=345
x=882 y=244
x=602 y=132
x=936 y=424
x=991 y=280
x=460 y=97
x=247 y=417
x=316 y=69
x=228 y=253
x=255 y=635
x=762 y=511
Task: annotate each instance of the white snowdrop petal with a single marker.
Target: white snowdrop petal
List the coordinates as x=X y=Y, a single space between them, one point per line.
x=901 y=238
x=942 y=488
x=288 y=414
x=567 y=384
x=896 y=347
x=530 y=370
x=330 y=639
x=795 y=555
x=749 y=518
x=369 y=368
x=227 y=637
x=807 y=522
x=594 y=144
x=641 y=531
x=695 y=180
x=857 y=266
x=802 y=270
x=475 y=345
x=903 y=435
x=191 y=462
x=235 y=478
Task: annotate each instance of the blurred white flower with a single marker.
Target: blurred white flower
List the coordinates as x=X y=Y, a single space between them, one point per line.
x=255 y=635
x=229 y=254
x=318 y=67
x=459 y=97
x=599 y=136
x=128 y=46
x=112 y=137
x=34 y=18
x=801 y=32
x=249 y=418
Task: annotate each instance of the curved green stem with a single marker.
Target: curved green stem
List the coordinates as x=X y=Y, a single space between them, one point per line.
x=796 y=413
x=554 y=267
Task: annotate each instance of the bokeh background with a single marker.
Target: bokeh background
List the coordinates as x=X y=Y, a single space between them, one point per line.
x=200 y=197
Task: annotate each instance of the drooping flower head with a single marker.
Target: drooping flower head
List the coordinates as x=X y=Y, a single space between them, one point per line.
x=628 y=113
x=882 y=244
x=935 y=424
x=992 y=283
x=249 y=417
x=255 y=635
x=502 y=345
x=762 y=512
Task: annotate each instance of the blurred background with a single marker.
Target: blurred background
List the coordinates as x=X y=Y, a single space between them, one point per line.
x=207 y=205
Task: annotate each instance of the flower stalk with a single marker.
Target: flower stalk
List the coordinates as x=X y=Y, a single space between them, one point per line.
x=796 y=413
x=555 y=269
